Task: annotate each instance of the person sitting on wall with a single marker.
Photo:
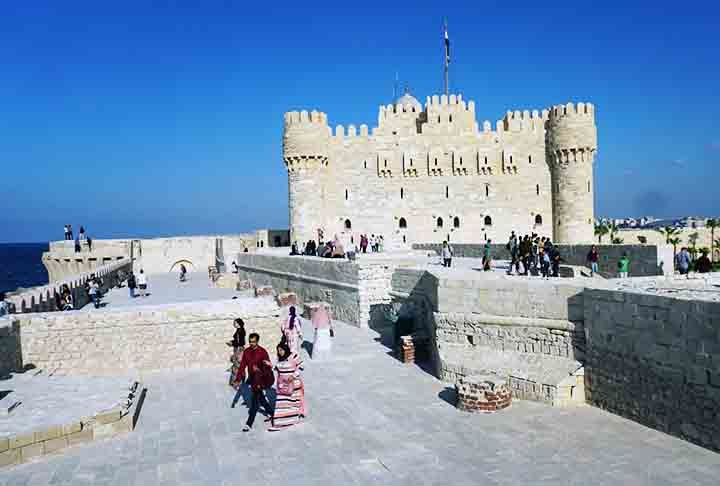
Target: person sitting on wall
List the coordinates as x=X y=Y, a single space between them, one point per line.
x=326 y=251
x=338 y=251
x=703 y=263
x=294 y=249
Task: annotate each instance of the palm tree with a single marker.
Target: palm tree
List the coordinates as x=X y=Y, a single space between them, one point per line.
x=692 y=239
x=612 y=229
x=617 y=241
x=601 y=230
x=668 y=232
x=715 y=246
x=674 y=241
x=712 y=223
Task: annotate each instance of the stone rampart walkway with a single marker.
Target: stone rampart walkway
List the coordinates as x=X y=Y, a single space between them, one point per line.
x=372 y=420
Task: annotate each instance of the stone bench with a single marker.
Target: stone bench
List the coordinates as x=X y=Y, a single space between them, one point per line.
x=485 y=393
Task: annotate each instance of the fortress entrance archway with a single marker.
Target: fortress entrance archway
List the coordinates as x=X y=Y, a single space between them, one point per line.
x=188 y=264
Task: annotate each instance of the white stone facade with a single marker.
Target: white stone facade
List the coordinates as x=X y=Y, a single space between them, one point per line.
x=430 y=174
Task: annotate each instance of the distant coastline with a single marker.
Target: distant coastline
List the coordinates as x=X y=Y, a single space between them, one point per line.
x=21 y=266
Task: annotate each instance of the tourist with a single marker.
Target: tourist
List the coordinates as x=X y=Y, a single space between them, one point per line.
x=66 y=229
x=338 y=251
x=683 y=261
x=82 y=233
x=68 y=301
x=544 y=262
x=526 y=252
x=446 y=253
x=238 y=345
x=89 y=244
x=322 y=342
x=624 y=266
x=260 y=377
x=132 y=285
x=291 y=330
x=235 y=268
x=373 y=244
x=77 y=245
x=487 y=256
x=363 y=243
x=142 y=283
x=703 y=263
x=327 y=250
x=512 y=247
x=380 y=243
x=70 y=232
x=4 y=306
x=183 y=272
x=294 y=249
x=290 y=398
x=93 y=291
x=592 y=258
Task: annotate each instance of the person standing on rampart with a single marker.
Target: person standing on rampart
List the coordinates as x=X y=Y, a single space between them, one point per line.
x=132 y=285
x=70 y=232
x=624 y=266
x=291 y=330
x=142 y=283
x=512 y=247
x=683 y=261
x=487 y=256
x=78 y=248
x=592 y=258
x=82 y=233
x=4 y=306
x=446 y=253
x=66 y=229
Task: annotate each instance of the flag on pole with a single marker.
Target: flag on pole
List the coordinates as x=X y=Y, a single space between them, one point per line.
x=447 y=45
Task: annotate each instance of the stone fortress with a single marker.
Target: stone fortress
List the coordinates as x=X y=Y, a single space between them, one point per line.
x=431 y=174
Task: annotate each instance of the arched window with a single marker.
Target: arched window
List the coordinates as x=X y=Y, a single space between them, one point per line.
x=456 y=222
x=402 y=223
x=538 y=219
x=402 y=193
x=439 y=223
x=348 y=224
x=537 y=189
x=488 y=221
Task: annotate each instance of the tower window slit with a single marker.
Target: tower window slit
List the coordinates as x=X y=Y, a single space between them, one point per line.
x=402 y=193
x=346 y=194
x=487 y=191
x=529 y=159
x=537 y=189
x=447 y=192
x=588 y=186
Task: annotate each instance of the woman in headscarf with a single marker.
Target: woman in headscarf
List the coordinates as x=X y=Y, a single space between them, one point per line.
x=323 y=331
x=290 y=401
x=292 y=331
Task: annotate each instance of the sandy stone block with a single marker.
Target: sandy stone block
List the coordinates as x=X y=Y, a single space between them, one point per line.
x=49 y=433
x=32 y=451
x=18 y=441
x=10 y=457
x=107 y=417
x=85 y=435
x=71 y=428
x=4 y=444
x=54 y=445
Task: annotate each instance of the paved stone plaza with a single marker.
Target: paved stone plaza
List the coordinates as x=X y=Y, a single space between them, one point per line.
x=372 y=420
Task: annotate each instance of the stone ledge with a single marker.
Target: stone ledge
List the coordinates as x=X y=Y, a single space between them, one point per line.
x=29 y=446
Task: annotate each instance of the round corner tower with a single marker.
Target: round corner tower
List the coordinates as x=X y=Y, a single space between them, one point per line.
x=305 y=151
x=571 y=143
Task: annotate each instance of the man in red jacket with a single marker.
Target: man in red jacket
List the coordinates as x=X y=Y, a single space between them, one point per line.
x=260 y=376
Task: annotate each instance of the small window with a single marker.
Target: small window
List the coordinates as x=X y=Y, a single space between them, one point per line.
x=538 y=220
x=588 y=186
x=537 y=189
x=487 y=191
x=511 y=160
x=436 y=161
x=348 y=224
x=402 y=193
x=485 y=160
x=404 y=239
x=346 y=194
x=439 y=223
x=403 y=223
x=460 y=160
x=438 y=119
x=447 y=192
x=488 y=221
x=365 y=163
x=450 y=118
x=529 y=159
x=385 y=162
x=456 y=222
x=410 y=162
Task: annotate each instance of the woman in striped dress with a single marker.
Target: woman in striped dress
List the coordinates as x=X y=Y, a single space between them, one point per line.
x=290 y=400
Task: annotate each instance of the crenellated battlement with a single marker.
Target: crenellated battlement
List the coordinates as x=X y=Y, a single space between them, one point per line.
x=581 y=109
x=294 y=118
x=571 y=133
x=305 y=136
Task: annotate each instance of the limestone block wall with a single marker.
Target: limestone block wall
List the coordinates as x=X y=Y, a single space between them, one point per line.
x=107 y=342
x=9 y=346
x=42 y=299
x=656 y=360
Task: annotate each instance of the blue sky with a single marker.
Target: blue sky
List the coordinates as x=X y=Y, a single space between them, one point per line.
x=140 y=120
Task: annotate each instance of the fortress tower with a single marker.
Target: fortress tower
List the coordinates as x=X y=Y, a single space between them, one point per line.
x=305 y=151
x=571 y=143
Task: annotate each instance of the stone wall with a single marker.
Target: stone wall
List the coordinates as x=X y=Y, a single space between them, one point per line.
x=42 y=299
x=645 y=260
x=656 y=360
x=10 y=353
x=105 y=342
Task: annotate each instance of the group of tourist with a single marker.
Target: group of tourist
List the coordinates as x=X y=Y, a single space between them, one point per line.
x=137 y=282
x=334 y=248
x=376 y=243
x=82 y=236
x=685 y=262
x=252 y=367
x=537 y=255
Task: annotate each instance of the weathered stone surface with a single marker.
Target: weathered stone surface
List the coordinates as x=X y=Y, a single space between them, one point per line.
x=32 y=451
x=55 y=445
x=10 y=457
x=85 y=435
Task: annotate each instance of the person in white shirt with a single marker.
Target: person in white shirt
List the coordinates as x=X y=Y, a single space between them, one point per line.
x=142 y=283
x=4 y=307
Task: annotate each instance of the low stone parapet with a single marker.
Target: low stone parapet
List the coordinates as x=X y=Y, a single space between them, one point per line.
x=487 y=393
x=32 y=445
x=264 y=291
x=286 y=299
x=310 y=308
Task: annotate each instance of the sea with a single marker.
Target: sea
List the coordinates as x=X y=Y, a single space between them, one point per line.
x=21 y=266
